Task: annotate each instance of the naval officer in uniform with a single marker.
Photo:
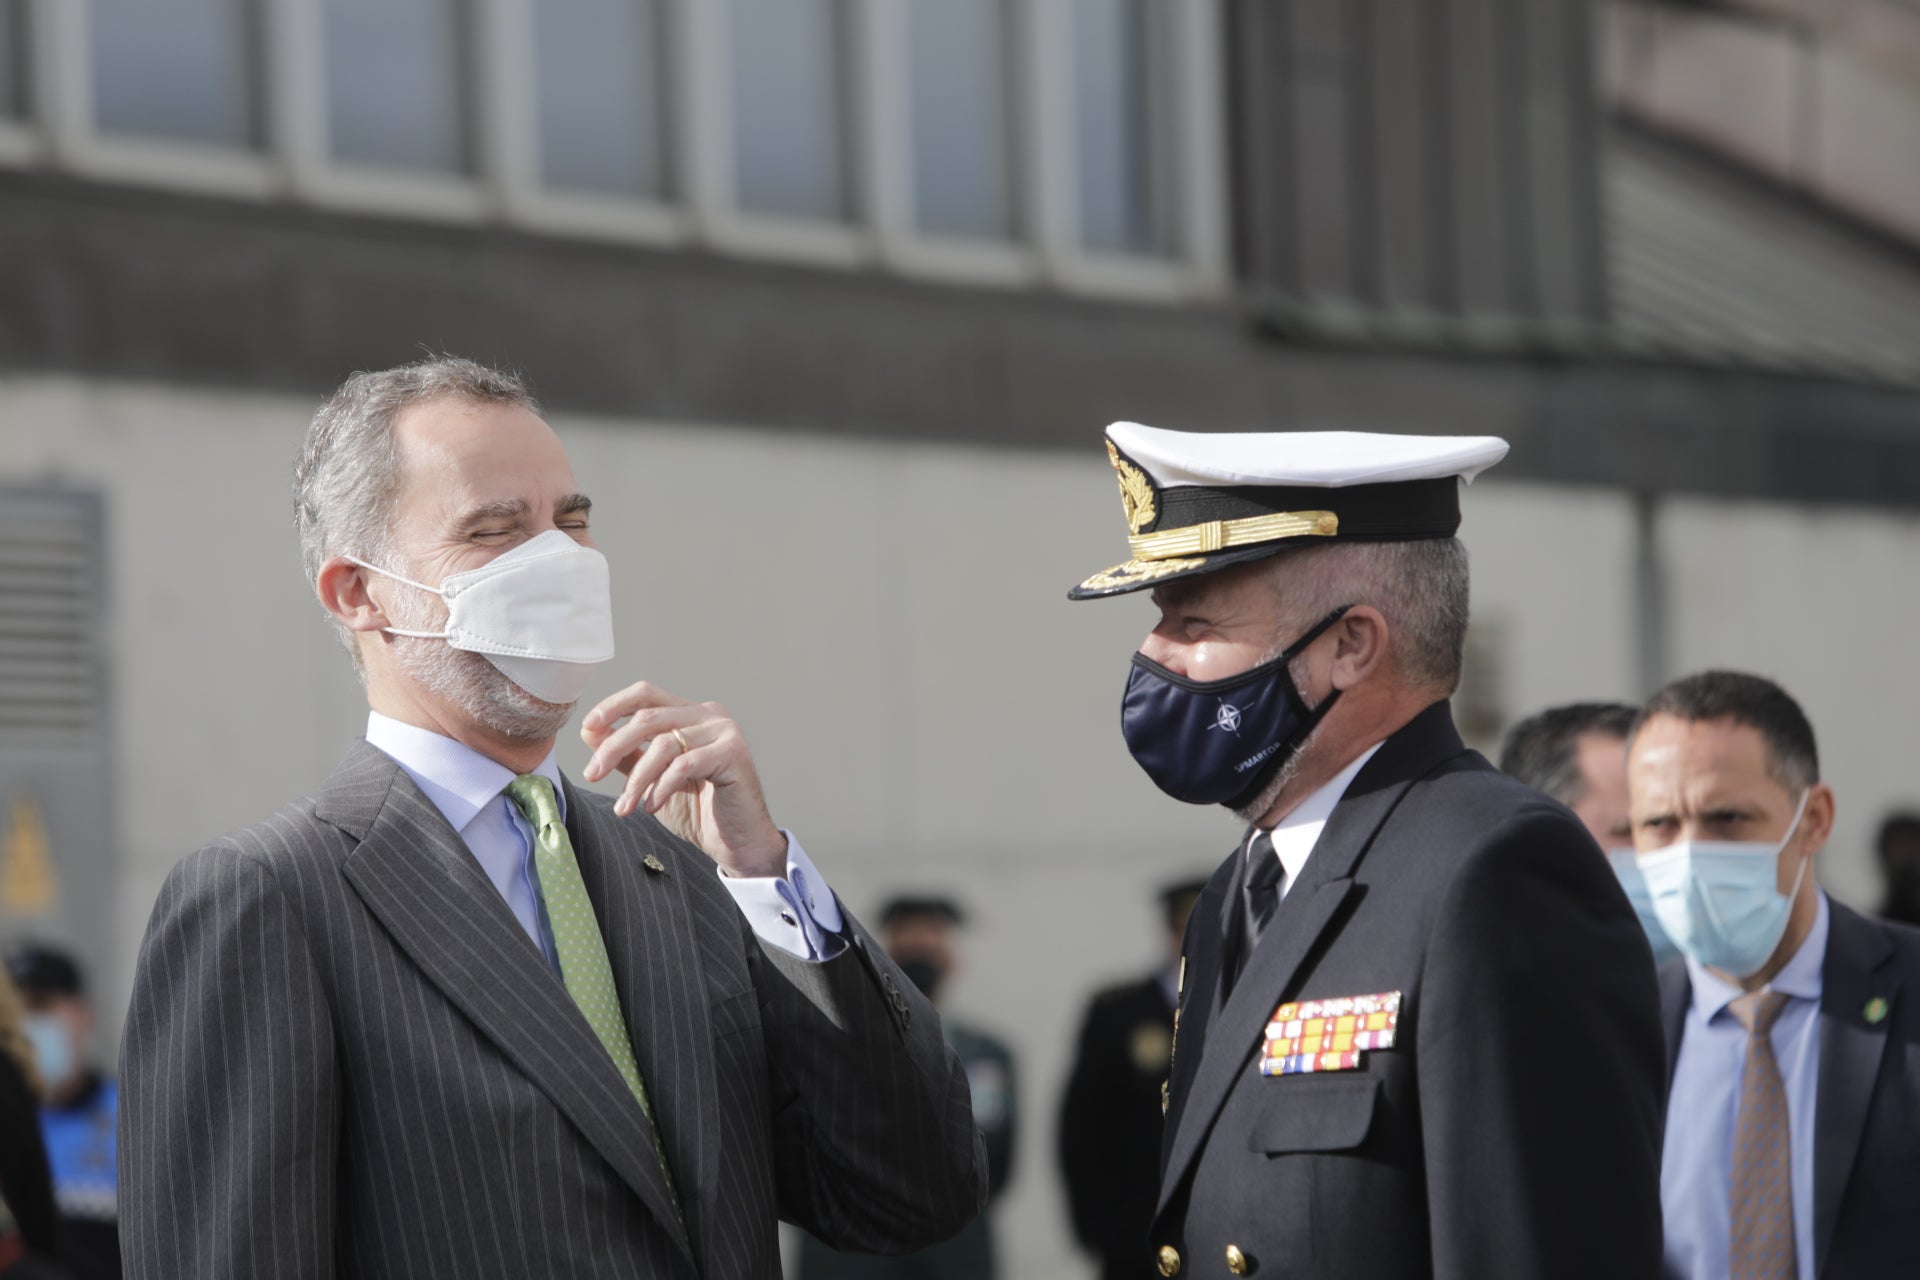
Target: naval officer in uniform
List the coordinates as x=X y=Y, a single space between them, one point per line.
x=1418 y=1032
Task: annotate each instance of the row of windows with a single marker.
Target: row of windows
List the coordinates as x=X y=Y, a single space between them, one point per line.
x=1022 y=133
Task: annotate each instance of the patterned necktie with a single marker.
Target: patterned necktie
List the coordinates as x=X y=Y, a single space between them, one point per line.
x=1259 y=898
x=584 y=965
x=1761 y=1243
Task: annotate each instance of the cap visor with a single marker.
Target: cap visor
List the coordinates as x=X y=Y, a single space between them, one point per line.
x=1138 y=575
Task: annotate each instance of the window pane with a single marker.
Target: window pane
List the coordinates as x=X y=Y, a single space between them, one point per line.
x=13 y=97
x=1117 y=97
x=598 y=69
x=183 y=69
x=961 y=154
x=788 y=114
x=396 y=83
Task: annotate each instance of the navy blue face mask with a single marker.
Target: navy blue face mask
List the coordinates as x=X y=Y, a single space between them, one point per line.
x=1219 y=741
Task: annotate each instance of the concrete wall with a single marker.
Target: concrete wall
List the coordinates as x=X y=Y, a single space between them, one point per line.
x=888 y=622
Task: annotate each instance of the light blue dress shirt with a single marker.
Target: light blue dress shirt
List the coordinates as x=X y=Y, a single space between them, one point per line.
x=797 y=913
x=1696 y=1164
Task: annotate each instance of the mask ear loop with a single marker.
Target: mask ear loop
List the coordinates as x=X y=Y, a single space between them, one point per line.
x=1787 y=839
x=388 y=573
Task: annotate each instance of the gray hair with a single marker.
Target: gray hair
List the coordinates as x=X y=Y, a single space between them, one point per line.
x=1419 y=586
x=348 y=472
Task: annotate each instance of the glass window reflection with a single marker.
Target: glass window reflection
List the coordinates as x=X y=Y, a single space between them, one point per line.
x=13 y=96
x=183 y=69
x=1118 y=96
x=962 y=113
x=597 y=68
x=396 y=92
x=787 y=64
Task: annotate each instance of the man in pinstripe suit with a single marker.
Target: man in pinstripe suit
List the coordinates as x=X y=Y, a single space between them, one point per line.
x=452 y=1016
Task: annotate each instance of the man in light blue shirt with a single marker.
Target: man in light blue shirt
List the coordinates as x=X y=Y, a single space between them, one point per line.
x=1791 y=1138
x=454 y=1015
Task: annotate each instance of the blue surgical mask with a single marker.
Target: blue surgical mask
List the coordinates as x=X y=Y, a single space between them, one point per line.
x=52 y=1048
x=1719 y=900
x=1219 y=741
x=1626 y=866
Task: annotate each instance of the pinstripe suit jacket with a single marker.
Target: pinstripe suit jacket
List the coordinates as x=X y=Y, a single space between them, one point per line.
x=344 y=1057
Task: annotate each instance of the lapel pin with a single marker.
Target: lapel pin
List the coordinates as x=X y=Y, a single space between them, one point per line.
x=652 y=863
x=1876 y=1011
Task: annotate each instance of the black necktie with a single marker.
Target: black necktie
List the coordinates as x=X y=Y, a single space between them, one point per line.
x=1259 y=897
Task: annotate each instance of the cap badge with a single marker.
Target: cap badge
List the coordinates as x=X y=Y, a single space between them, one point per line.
x=1136 y=491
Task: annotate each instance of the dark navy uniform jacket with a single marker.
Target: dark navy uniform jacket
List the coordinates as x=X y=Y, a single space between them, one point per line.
x=1513 y=1128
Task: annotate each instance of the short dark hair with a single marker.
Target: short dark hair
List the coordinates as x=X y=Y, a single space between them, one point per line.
x=1793 y=758
x=920 y=906
x=40 y=971
x=1177 y=898
x=1901 y=822
x=1541 y=750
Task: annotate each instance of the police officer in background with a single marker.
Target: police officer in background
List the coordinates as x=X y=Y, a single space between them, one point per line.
x=1110 y=1121
x=921 y=934
x=81 y=1108
x=1419 y=1034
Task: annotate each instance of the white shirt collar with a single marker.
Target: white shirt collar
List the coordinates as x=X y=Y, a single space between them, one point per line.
x=1297 y=833
x=459 y=780
x=1799 y=978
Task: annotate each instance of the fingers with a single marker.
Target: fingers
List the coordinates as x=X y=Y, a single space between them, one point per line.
x=640 y=696
x=618 y=747
x=686 y=772
x=644 y=774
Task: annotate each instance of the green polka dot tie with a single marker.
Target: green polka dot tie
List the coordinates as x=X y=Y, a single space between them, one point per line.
x=584 y=966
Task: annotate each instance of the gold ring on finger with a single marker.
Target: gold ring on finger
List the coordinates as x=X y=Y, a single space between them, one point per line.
x=679 y=738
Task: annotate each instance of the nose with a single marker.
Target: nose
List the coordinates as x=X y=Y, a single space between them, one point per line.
x=1164 y=650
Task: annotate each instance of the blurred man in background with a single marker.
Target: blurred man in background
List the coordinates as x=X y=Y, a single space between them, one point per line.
x=1419 y=1035
x=922 y=934
x=81 y=1110
x=1110 y=1119
x=1793 y=1113
x=1898 y=850
x=1578 y=755
x=454 y=1016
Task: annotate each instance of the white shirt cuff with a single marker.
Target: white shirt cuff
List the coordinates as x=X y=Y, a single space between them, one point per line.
x=796 y=912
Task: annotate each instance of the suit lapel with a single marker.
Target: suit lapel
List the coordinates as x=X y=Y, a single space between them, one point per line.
x=1676 y=993
x=650 y=938
x=1855 y=972
x=419 y=880
x=1304 y=915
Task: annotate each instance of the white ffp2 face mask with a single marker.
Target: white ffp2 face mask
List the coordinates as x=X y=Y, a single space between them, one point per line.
x=542 y=613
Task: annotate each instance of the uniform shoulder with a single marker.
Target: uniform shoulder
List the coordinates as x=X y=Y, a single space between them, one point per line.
x=1471 y=794
x=1120 y=995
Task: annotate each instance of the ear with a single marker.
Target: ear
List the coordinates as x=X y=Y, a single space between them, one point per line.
x=1816 y=824
x=342 y=587
x=1359 y=646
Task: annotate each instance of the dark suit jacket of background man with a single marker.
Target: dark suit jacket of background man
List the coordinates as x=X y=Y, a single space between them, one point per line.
x=1866 y=1158
x=1513 y=1129
x=1110 y=1125
x=345 y=1057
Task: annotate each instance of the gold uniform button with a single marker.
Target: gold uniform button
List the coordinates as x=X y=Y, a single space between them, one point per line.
x=1236 y=1260
x=1169 y=1260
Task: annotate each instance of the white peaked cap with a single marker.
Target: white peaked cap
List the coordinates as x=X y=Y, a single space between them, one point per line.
x=1315 y=459
x=1199 y=502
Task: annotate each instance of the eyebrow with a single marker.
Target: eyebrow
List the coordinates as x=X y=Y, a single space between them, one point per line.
x=573 y=502
x=506 y=509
